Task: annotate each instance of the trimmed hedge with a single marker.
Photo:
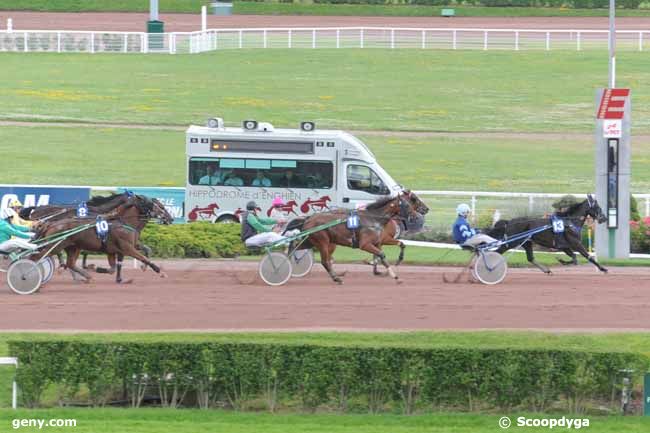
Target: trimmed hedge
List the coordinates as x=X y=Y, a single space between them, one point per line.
x=195 y=240
x=309 y=377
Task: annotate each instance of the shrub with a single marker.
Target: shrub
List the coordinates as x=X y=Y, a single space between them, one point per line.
x=194 y=240
x=378 y=379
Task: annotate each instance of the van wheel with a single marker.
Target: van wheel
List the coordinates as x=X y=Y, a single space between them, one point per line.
x=227 y=219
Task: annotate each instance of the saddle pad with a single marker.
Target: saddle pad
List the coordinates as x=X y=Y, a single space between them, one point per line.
x=558 y=225
x=353 y=221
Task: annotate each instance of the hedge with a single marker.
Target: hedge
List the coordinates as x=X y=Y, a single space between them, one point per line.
x=310 y=377
x=195 y=240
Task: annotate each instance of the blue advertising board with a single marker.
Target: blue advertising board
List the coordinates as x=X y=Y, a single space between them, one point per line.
x=172 y=198
x=43 y=195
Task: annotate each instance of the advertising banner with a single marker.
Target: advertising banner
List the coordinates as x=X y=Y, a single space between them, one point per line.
x=41 y=196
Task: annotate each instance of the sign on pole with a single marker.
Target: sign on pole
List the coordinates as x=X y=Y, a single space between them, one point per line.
x=613 y=109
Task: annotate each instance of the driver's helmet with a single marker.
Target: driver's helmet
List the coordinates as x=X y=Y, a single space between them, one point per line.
x=251 y=205
x=14 y=203
x=463 y=209
x=7 y=213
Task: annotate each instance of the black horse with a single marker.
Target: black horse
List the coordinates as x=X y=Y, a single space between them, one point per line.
x=569 y=241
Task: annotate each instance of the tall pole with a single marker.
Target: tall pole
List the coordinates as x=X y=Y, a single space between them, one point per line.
x=612 y=44
x=153 y=10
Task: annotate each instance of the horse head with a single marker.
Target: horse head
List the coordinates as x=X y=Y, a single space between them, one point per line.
x=594 y=210
x=160 y=212
x=416 y=202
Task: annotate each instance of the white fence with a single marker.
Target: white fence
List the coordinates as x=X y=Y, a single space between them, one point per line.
x=322 y=37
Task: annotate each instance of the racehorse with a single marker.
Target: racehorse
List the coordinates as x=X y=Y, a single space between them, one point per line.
x=96 y=206
x=368 y=237
x=569 y=241
x=123 y=224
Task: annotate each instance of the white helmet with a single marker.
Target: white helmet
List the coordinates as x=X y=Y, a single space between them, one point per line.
x=463 y=209
x=7 y=213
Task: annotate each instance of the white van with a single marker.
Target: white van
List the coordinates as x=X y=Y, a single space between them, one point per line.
x=311 y=170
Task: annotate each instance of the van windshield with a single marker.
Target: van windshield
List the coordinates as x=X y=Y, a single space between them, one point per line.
x=266 y=173
x=363 y=178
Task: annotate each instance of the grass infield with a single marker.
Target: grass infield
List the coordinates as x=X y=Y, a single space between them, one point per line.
x=150 y=157
x=372 y=89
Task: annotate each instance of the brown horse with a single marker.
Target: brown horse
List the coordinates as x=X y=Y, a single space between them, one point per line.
x=368 y=237
x=122 y=238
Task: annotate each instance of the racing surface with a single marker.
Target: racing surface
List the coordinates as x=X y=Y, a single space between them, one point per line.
x=206 y=295
x=136 y=22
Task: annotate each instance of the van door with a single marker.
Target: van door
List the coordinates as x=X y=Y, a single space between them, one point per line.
x=359 y=184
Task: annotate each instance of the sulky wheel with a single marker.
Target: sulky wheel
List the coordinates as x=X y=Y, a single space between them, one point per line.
x=275 y=268
x=301 y=262
x=490 y=267
x=24 y=277
x=46 y=266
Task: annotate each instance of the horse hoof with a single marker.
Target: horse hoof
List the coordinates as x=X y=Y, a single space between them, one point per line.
x=342 y=274
x=163 y=275
x=398 y=282
x=125 y=282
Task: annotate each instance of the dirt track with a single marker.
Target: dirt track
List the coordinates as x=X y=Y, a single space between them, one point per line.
x=226 y=295
x=192 y=22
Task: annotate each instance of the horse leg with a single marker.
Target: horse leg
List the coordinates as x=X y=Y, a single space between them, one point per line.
x=374 y=250
x=59 y=256
x=584 y=253
x=111 y=262
x=528 y=246
x=128 y=249
x=146 y=250
x=375 y=261
x=400 y=258
x=569 y=252
x=71 y=263
x=325 y=260
x=118 y=277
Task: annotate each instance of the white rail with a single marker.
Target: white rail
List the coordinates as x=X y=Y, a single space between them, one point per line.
x=62 y=41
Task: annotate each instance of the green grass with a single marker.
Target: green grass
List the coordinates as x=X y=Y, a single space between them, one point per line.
x=149 y=157
x=445 y=257
x=189 y=6
x=609 y=342
x=269 y=8
x=197 y=421
x=275 y=8
x=348 y=89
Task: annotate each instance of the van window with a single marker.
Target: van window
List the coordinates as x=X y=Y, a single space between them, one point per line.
x=363 y=178
x=261 y=173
